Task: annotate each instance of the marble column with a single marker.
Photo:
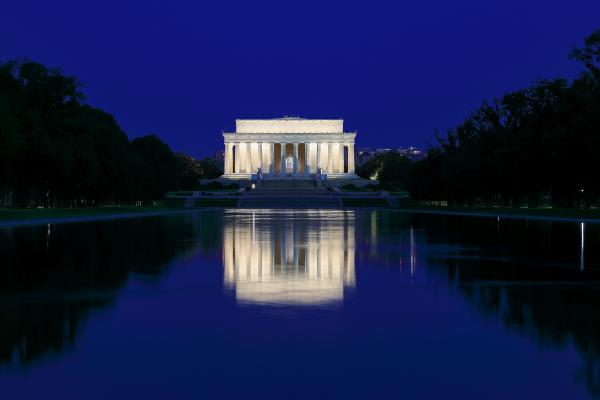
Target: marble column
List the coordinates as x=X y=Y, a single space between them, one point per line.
x=227 y=160
x=306 y=169
x=230 y=163
x=329 y=157
x=282 y=167
x=237 y=164
x=243 y=157
x=260 y=155
x=295 y=159
x=249 y=158
x=318 y=156
x=231 y=158
x=351 y=158
x=341 y=157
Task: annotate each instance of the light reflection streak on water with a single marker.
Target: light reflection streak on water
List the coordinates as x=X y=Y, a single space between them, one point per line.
x=48 y=232
x=581 y=255
x=373 y=232
x=412 y=252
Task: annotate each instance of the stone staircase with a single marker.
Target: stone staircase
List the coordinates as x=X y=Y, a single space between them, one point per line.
x=287 y=184
x=289 y=194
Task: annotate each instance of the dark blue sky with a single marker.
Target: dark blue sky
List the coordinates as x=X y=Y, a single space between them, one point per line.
x=395 y=71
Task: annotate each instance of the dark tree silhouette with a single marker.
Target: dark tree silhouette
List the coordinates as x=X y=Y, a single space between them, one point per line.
x=189 y=172
x=210 y=169
x=535 y=146
x=56 y=151
x=391 y=169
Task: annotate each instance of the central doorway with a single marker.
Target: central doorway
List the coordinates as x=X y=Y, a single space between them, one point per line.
x=289 y=159
x=289 y=165
x=284 y=164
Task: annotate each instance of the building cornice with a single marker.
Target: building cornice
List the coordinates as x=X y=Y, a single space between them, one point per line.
x=289 y=137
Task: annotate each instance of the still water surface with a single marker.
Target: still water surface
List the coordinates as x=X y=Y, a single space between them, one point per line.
x=300 y=304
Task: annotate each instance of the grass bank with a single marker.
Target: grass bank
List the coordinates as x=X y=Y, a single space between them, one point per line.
x=32 y=216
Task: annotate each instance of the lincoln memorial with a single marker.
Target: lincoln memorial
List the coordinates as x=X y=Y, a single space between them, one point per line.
x=288 y=148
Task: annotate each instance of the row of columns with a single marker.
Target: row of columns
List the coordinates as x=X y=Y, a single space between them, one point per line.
x=244 y=161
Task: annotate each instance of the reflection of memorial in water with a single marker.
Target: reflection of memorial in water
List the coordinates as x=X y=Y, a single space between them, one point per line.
x=289 y=257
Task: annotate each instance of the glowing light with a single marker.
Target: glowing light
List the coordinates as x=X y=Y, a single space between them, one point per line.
x=271 y=259
x=412 y=252
x=581 y=253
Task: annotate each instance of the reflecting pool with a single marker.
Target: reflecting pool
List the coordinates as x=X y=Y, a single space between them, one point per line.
x=300 y=304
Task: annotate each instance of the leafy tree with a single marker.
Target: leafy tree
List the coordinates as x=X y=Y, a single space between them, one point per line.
x=391 y=169
x=589 y=54
x=189 y=172
x=56 y=151
x=394 y=171
x=159 y=163
x=369 y=169
x=532 y=147
x=210 y=169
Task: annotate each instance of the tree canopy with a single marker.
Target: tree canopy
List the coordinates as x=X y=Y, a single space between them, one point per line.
x=55 y=150
x=391 y=169
x=536 y=145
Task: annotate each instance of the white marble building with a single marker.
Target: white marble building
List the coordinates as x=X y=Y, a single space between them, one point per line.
x=289 y=147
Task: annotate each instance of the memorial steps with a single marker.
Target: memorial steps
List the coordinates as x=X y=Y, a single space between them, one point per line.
x=289 y=194
x=287 y=184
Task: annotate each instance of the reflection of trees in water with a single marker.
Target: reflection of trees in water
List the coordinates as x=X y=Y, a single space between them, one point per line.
x=527 y=276
x=51 y=278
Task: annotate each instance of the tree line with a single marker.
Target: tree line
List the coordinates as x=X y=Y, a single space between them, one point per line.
x=57 y=151
x=539 y=146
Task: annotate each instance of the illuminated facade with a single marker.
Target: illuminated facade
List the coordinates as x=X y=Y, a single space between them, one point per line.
x=289 y=148
x=270 y=257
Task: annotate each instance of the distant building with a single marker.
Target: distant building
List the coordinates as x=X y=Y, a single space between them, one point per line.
x=413 y=153
x=365 y=154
